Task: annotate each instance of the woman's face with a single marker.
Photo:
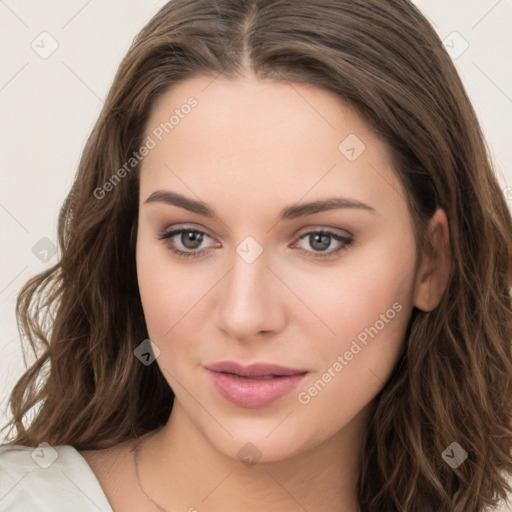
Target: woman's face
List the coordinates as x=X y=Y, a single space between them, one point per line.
x=300 y=253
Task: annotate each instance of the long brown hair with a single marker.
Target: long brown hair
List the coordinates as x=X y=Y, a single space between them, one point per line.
x=453 y=380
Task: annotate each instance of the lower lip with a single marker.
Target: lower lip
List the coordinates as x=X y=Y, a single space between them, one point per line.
x=252 y=393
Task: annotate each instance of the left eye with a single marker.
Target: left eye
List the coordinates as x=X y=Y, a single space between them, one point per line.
x=321 y=240
x=191 y=240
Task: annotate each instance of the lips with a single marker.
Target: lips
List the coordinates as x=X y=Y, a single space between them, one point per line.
x=253 y=370
x=256 y=385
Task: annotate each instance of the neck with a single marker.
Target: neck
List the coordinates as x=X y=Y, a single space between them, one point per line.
x=180 y=470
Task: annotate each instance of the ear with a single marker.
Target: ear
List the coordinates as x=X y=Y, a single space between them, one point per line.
x=434 y=267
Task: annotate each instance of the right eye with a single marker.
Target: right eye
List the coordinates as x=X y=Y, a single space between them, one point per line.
x=189 y=239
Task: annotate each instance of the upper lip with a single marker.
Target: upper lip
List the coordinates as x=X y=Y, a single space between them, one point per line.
x=252 y=370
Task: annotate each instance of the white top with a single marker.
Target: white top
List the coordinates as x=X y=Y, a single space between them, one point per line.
x=56 y=479
x=48 y=479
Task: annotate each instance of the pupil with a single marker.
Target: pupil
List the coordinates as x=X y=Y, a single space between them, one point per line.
x=191 y=239
x=323 y=242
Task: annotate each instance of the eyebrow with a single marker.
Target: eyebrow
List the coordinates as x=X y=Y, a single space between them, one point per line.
x=288 y=213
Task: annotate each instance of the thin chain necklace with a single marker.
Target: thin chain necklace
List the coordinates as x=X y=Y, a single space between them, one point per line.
x=136 y=459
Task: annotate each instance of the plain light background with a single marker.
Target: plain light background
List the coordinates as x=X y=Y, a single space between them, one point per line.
x=49 y=105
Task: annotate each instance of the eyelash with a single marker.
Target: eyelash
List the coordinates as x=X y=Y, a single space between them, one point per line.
x=346 y=242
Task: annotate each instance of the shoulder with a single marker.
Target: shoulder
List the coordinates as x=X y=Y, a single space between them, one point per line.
x=108 y=457
x=115 y=471
x=55 y=478
x=110 y=465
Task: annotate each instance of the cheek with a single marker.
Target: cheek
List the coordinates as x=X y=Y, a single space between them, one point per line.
x=352 y=295
x=168 y=289
x=170 y=297
x=353 y=369
x=368 y=304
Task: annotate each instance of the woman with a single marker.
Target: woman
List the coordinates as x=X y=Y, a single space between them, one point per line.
x=285 y=278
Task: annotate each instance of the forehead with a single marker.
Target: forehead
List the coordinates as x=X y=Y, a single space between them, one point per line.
x=263 y=137
x=255 y=111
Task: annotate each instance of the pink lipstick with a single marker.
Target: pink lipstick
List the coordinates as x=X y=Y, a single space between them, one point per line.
x=256 y=385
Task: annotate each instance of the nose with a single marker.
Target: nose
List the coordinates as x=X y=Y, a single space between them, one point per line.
x=250 y=300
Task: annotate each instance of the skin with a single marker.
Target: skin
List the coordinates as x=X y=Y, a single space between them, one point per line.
x=249 y=149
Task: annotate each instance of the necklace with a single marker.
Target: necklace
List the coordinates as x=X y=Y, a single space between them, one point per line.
x=136 y=459
x=136 y=452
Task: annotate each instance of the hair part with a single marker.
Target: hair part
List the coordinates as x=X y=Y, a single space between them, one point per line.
x=453 y=379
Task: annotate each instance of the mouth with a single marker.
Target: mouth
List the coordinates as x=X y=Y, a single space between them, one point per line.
x=262 y=377
x=253 y=386
x=258 y=370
